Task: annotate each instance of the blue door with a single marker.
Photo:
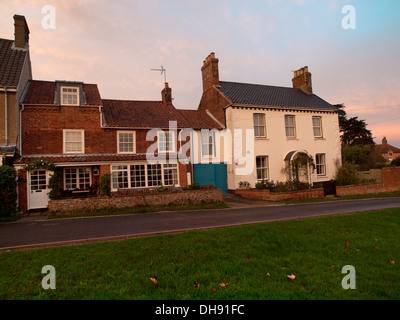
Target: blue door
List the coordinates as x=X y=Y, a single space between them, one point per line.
x=215 y=174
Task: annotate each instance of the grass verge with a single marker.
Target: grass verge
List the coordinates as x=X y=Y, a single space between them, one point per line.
x=252 y=261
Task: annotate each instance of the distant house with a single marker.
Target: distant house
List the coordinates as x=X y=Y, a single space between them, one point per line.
x=15 y=71
x=285 y=124
x=69 y=125
x=387 y=151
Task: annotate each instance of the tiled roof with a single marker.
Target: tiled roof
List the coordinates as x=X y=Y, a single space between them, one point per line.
x=199 y=119
x=385 y=148
x=11 y=64
x=141 y=114
x=262 y=95
x=43 y=92
x=85 y=158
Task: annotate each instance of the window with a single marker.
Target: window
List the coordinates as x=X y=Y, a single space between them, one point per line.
x=208 y=147
x=70 y=96
x=320 y=164
x=290 y=126
x=154 y=176
x=38 y=180
x=144 y=175
x=170 y=174
x=262 y=168
x=166 y=142
x=119 y=177
x=259 y=125
x=126 y=142
x=76 y=178
x=138 y=176
x=74 y=141
x=317 y=127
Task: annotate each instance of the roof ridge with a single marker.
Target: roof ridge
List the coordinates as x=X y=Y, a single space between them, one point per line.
x=127 y=100
x=256 y=84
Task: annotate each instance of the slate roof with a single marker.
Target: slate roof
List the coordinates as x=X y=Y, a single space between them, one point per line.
x=43 y=92
x=263 y=95
x=199 y=119
x=141 y=114
x=11 y=64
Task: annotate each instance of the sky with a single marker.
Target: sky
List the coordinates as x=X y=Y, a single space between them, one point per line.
x=115 y=44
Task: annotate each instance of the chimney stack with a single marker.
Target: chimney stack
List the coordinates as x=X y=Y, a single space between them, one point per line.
x=210 y=72
x=302 y=80
x=21 y=32
x=166 y=95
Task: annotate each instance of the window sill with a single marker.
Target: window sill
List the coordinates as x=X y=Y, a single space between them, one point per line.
x=261 y=138
x=292 y=138
x=319 y=138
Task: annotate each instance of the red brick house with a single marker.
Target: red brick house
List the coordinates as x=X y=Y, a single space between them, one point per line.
x=387 y=151
x=69 y=125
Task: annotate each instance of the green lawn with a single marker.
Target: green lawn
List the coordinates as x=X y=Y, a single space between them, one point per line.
x=314 y=250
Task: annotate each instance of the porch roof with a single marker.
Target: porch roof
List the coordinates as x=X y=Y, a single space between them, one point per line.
x=87 y=158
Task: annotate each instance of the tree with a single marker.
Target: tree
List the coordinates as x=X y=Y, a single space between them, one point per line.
x=354 y=131
x=8 y=191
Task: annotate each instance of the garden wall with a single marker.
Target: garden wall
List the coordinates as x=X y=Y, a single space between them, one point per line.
x=390 y=182
x=265 y=194
x=165 y=198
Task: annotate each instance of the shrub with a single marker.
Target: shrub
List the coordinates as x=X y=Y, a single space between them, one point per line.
x=244 y=185
x=395 y=162
x=105 y=184
x=160 y=189
x=347 y=175
x=55 y=186
x=265 y=184
x=8 y=191
x=208 y=186
x=291 y=186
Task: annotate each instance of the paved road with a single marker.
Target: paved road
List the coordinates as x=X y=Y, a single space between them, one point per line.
x=31 y=234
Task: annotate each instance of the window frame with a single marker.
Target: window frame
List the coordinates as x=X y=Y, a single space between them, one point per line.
x=125 y=172
x=319 y=165
x=65 y=131
x=206 y=145
x=77 y=173
x=290 y=116
x=77 y=94
x=317 y=127
x=258 y=126
x=169 y=134
x=133 y=142
x=265 y=167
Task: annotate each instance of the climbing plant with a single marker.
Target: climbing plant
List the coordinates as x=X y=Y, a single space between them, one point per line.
x=40 y=164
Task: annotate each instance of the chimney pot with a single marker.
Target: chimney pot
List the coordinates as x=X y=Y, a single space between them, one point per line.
x=210 y=72
x=302 y=80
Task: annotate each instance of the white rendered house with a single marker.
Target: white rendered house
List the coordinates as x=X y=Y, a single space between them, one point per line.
x=268 y=129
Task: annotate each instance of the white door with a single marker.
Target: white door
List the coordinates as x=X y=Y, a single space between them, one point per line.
x=37 y=190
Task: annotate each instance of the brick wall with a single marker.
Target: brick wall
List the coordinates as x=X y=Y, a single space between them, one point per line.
x=43 y=126
x=390 y=183
x=265 y=194
x=184 y=197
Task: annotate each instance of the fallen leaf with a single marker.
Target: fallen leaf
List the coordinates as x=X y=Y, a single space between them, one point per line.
x=214 y=290
x=332 y=268
x=376 y=248
x=248 y=259
x=292 y=277
x=154 y=280
x=391 y=261
x=268 y=275
x=197 y=286
x=348 y=244
x=223 y=284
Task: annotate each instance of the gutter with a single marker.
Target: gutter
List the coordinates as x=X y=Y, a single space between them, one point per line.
x=6 y=114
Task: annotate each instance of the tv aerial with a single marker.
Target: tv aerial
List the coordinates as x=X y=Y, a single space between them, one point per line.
x=163 y=71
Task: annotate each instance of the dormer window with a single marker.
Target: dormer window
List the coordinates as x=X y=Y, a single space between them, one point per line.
x=70 y=96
